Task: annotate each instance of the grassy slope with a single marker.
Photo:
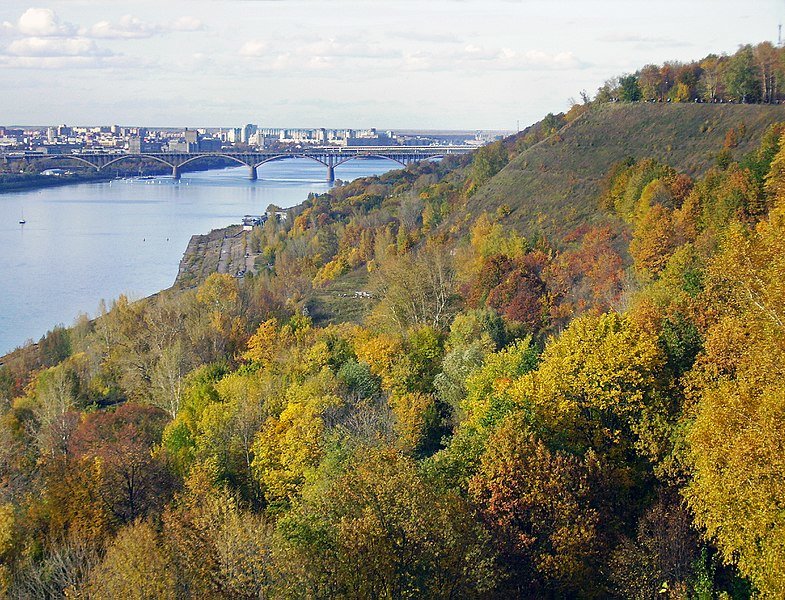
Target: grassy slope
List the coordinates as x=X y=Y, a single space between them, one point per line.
x=336 y=302
x=553 y=187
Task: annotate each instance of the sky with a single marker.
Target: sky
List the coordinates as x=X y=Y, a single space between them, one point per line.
x=426 y=64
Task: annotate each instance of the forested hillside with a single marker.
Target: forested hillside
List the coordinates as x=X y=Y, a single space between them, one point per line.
x=565 y=379
x=552 y=186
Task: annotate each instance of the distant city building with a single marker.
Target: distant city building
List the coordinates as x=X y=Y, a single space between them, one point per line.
x=278 y=215
x=61 y=139
x=191 y=137
x=234 y=136
x=138 y=145
x=247 y=132
x=210 y=145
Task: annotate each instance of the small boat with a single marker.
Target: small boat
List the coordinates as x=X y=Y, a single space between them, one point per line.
x=22 y=221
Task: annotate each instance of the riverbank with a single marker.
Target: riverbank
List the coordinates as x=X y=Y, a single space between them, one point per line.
x=22 y=182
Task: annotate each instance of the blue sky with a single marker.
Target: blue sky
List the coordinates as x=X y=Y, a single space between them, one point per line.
x=460 y=64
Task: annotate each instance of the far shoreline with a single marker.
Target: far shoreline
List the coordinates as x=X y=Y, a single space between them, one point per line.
x=32 y=182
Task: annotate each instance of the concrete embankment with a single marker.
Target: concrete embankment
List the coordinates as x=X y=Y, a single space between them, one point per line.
x=225 y=250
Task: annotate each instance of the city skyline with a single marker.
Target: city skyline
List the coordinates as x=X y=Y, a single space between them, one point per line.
x=296 y=62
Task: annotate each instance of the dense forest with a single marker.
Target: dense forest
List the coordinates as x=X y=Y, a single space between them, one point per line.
x=594 y=414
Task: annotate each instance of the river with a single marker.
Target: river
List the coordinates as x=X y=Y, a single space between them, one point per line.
x=87 y=242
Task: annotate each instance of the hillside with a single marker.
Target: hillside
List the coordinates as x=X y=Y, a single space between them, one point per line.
x=553 y=186
x=375 y=399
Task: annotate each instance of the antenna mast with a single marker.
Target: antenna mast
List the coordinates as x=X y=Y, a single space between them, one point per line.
x=779 y=35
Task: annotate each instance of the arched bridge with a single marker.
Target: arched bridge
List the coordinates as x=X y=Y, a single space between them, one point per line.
x=330 y=157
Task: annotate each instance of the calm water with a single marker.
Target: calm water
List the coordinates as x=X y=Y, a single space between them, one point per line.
x=86 y=242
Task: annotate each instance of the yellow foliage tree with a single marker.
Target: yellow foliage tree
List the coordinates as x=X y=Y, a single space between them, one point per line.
x=135 y=567
x=7 y=527
x=653 y=241
x=264 y=343
x=384 y=355
x=414 y=414
x=775 y=179
x=219 y=550
x=289 y=446
x=594 y=381
x=736 y=444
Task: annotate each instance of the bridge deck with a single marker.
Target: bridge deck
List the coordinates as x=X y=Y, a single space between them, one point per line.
x=329 y=156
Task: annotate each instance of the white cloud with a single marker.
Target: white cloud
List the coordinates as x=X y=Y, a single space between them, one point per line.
x=254 y=49
x=187 y=23
x=332 y=53
x=54 y=47
x=478 y=58
x=321 y=55
x=128 y=27
x=39 y=40
x=43 y=22
x=131 y=27
x=333 y=48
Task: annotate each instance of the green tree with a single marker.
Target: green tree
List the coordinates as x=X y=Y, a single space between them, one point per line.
x=488 y=161
x=741 y=76
x=630 y=89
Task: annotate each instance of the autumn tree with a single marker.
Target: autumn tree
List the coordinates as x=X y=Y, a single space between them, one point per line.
x=735 y=431
x=386 y=533
x=416 y=289
x=595 y=386
x=289 y=446
x=54 y=406
x=132 y=480
x=540 y=506
x=217 y=549
x=136 y=566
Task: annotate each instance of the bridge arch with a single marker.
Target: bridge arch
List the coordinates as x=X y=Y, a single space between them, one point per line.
x=289 y=156
x=127 y=156
x=214 y=155
x=68 y=157
x=365 y=156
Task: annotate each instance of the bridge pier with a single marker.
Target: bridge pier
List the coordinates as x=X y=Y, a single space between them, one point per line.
x=176 y=172
x=330 y=173
x=253 y=175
